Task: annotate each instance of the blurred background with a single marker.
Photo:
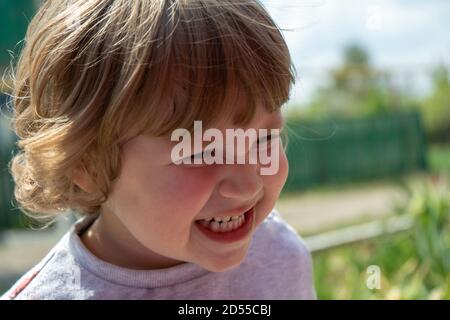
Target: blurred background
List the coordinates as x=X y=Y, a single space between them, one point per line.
x=368 y=128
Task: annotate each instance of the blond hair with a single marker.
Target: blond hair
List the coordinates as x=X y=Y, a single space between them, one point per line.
x=94 y=73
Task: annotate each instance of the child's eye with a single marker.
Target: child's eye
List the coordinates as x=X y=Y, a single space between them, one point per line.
x=209 y=153
x=265 y=142
x=196 y=156
x=201 y=156
x=265 y=139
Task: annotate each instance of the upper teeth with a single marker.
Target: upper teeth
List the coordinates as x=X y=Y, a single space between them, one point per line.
x=226 y=219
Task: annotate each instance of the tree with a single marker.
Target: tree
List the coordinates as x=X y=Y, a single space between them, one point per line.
x=355 y=88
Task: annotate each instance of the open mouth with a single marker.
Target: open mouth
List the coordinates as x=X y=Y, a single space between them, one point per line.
x=227 y=229
x=224 y=224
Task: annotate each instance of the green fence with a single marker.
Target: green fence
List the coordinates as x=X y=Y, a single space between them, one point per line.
x=9 y=217
x=359 y=149
x=14 y=18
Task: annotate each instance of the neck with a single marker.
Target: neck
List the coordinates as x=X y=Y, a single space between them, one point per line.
x=109 y=240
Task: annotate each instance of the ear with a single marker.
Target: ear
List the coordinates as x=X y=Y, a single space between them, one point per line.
x=82 y=179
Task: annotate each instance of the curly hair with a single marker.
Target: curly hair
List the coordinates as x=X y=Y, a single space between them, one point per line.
x=94 y=73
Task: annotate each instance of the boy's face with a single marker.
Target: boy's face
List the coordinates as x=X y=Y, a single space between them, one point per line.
x=154 y=204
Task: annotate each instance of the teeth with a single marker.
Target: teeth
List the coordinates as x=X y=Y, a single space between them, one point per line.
x=223 y=227
x=226 y=219
x=214 y=226
x=223 y=224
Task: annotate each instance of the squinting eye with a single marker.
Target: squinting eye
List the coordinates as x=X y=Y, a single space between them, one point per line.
x=196 y=156
x=265 y=139
x=201 y=155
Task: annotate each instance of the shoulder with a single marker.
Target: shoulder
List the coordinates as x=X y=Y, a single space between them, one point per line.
x=56 y=276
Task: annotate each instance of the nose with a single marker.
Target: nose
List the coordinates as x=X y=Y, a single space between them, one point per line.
x=242 y=182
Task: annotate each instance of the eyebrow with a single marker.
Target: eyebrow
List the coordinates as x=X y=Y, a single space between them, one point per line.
x=272 y=123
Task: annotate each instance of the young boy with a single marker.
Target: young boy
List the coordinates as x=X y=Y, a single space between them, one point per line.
x=100 y=89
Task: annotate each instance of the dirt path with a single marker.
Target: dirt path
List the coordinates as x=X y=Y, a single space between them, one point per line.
x=313 y=212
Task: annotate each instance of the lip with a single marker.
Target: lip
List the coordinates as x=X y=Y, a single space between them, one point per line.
x=230 y=236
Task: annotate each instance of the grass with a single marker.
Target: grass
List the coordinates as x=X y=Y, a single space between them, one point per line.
x=342 y=273
x=439 y=158
x=413 y=264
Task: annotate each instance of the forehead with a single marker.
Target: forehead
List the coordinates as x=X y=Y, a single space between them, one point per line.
x=261 y=119
x=237 y=106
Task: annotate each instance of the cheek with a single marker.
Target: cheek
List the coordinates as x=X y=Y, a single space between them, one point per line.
x=190 y=186
x=273 y=184
x=276 y=182
x=166 y=192
x=157 y=206
x=284 y=169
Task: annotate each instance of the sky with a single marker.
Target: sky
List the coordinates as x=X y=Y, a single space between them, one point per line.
x=408 y=37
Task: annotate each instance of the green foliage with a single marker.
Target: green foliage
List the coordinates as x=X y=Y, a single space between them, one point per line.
x=430 y=206
x=439 y=158
x=436 y=107
x=356 y=55
x=355 y=89
x=414 y=264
